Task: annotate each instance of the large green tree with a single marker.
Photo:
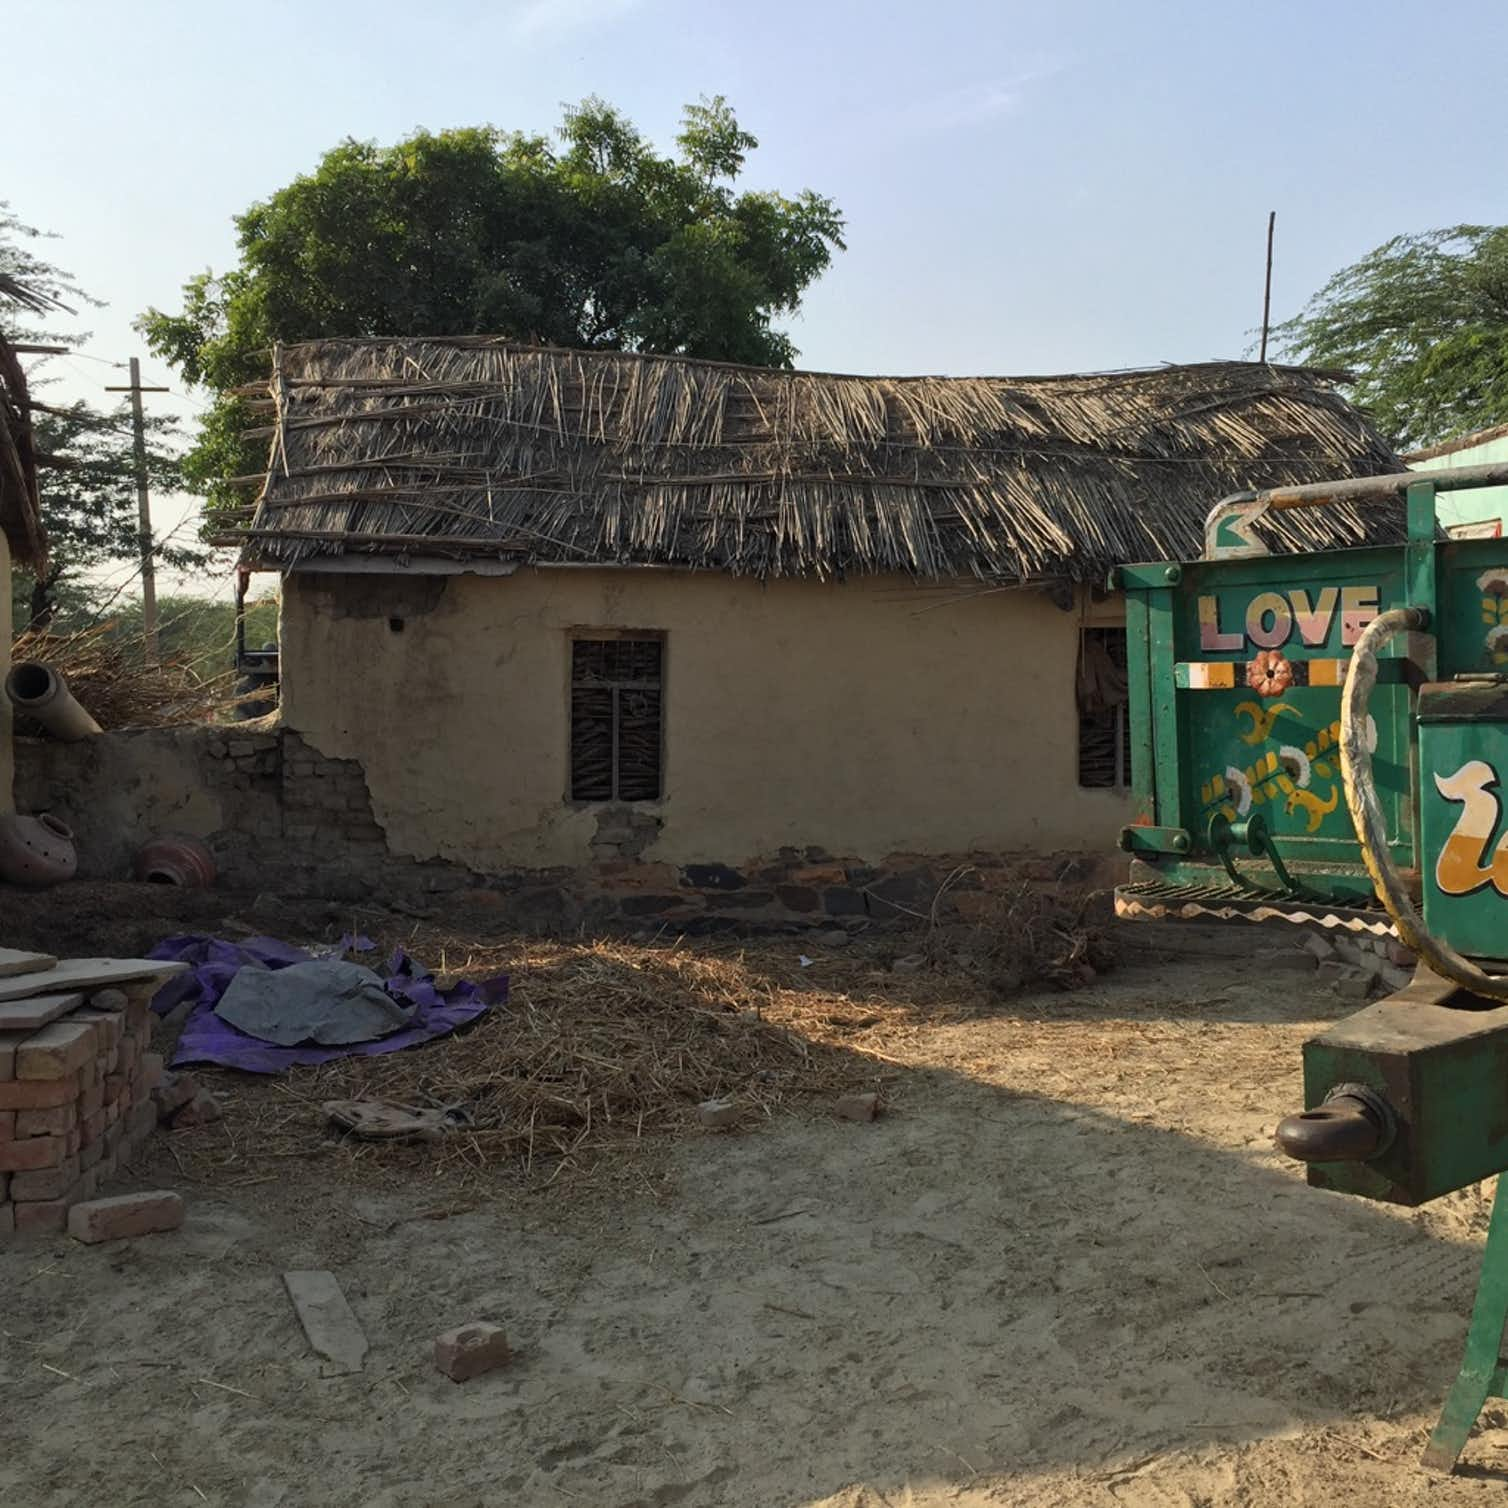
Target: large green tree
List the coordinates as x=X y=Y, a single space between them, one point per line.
x=88 y=481
x=1423 y=323
x=592 y=239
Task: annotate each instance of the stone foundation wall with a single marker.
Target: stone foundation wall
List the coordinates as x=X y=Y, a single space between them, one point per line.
x=280 y=816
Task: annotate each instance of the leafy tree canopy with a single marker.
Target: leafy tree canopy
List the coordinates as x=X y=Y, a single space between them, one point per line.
x=591 y=240
x=1423 y=322
x=88 y=486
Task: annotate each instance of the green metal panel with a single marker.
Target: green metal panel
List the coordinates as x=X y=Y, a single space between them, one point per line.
x=1139 y=690
x=1463 y=741
x=1166 y=733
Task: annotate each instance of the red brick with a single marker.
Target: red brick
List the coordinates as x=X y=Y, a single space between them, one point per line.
x=91 y=1154
x=7 y=1220
x=7 y=1124
x=125 y=1215
x=107 y=1023
x=113 y=1129
x=4 y=1187
x=858 y=1107
x=130 y=1052
x=72 y=1142
x=151 y=1070
x=57 y=1050
x=38 y=1094
x=92 y=1099
x=138 y=1016
x=92 y=1074
x=112 y=1060
x=113 y=1112
x=9 y=1042
x=42 y=1217
x=93 y=1128
x=115 y=1086
x=45 y=1183
x=34 y=1152
x=471 y=1350
x=57 y=1120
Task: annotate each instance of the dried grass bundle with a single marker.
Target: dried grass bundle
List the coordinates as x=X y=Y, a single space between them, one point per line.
x=474 y=445
x=605 y=1047
x=110 y=679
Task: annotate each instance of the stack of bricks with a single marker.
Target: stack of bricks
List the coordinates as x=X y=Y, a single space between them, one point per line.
x=76 y=1092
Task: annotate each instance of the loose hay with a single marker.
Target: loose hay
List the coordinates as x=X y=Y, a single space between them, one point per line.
x=110 y=679
x=603 y=1047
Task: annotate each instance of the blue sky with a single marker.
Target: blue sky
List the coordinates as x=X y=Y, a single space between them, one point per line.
x=1065 y=185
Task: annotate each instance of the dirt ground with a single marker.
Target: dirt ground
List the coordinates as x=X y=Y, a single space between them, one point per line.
x=1066 y=1268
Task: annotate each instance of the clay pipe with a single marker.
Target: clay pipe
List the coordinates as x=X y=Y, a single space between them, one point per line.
x=41 y=692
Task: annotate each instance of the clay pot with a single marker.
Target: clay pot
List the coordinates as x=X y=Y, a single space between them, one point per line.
x=175 y=861
x=36 y=850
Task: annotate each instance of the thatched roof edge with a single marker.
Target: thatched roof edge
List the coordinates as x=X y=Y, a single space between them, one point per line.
x=480 y=446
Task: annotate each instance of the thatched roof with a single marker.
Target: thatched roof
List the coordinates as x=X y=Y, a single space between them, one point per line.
x=477 y=446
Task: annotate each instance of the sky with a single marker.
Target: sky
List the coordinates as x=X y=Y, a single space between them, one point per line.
x=1066 y=185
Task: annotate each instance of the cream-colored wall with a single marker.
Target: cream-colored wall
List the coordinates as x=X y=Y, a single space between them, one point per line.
x=7 y=761
x=866 y=718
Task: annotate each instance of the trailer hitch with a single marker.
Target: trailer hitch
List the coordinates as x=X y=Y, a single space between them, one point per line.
x=1353 y=1124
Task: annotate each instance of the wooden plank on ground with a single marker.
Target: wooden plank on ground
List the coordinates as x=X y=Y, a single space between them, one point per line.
x=332 y=1330
x=15 y=961
x=88 y=974
x=37 y=1010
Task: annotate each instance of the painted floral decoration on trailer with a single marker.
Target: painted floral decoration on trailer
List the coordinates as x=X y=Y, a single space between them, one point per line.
x=1269 y=674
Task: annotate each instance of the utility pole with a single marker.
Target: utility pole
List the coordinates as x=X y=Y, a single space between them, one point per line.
x=1272 y=220
x=143 y=511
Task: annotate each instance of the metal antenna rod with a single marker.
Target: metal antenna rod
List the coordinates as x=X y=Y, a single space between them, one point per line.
x=1267 y=286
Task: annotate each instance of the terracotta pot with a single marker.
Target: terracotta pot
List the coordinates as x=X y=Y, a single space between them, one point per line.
x=175 y=861
x=36 y=850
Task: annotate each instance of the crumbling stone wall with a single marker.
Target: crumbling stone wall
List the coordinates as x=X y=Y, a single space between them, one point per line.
x=279 y=815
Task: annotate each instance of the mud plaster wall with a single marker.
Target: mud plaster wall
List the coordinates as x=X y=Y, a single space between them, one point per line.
x=863 y=719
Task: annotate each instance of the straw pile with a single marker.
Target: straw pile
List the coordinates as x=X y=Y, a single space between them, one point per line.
x=110 y=679
x=474 y=446
x=604 y=1048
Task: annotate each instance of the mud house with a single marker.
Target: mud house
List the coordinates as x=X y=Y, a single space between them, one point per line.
x=766 y=636
x=608 y=635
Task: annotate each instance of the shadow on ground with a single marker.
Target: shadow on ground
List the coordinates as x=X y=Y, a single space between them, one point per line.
x=983 y=1290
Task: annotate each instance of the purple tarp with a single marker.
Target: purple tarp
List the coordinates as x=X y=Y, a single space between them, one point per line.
x=213 y=964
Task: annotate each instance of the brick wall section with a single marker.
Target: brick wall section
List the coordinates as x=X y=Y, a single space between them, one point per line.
x=75 y=1104
x=280 y=816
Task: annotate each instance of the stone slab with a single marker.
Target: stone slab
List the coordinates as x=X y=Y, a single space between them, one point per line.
x=331 y=1328
x=87 y=974
x=14 y=961
x=27 y=1015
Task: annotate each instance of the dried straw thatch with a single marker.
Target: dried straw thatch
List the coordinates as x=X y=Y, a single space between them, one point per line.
x=108 y=676
x=475 y=446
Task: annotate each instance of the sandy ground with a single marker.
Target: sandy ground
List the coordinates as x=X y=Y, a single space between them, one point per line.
x=1066 y=1269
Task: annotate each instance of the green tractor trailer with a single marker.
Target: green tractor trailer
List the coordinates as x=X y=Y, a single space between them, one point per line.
x=1321 y=740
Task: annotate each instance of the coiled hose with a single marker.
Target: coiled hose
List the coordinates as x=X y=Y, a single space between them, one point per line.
x=1366 y=812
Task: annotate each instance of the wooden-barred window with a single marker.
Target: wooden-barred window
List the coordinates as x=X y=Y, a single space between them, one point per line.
x=616 y=733
x=1104 y=717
